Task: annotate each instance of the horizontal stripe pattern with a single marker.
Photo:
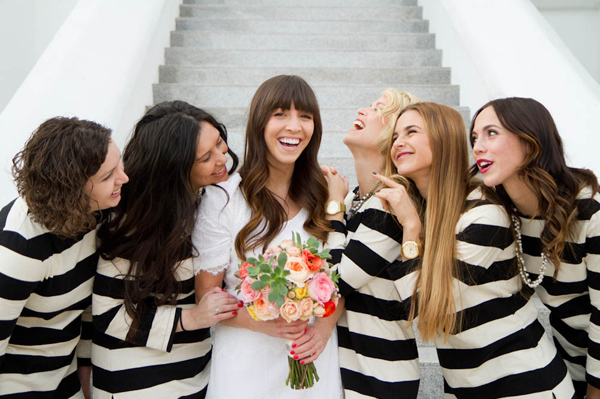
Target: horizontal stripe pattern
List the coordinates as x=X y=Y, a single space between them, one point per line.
x=161 y=363
x=501 y=350
x=45 y=286
x=574 y=297
x=377 y=347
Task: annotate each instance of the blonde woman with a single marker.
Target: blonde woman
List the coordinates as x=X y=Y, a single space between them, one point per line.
x=377 y=347
x=462 y=278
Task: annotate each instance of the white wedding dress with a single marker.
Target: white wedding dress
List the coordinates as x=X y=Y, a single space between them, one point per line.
x=247 y=364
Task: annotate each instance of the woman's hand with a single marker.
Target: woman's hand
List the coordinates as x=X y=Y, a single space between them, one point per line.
x=311 y=344
x=337 y=184
x=281 y=329
x=214 y=306
x=396 y=200
x=592 y=393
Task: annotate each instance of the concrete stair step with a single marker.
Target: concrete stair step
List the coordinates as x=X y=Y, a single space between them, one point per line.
x=291 y=26
x=348 y=96
x=304 y=3
x=279 y=12
x=378 y=77
x=262 y=41
x=303 y=58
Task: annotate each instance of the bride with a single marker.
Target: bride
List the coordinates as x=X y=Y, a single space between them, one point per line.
x=280 y=189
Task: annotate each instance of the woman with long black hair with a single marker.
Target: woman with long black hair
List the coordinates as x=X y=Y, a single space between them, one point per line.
x=151 y=338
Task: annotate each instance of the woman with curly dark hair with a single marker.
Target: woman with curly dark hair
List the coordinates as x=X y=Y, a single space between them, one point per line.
x=555 y=217
x=151 y=339
x=68 y=171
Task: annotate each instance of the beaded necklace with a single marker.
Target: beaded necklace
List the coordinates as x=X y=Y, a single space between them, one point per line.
x=360 y=202
x=522 y=271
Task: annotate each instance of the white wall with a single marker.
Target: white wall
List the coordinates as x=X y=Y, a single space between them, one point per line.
x=26 y=28
x=99 y=66
x=577 y=22
x=507 y=48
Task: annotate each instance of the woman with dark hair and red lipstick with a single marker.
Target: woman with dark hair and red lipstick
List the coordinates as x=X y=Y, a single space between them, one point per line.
x=151 y=339
x=555 y=214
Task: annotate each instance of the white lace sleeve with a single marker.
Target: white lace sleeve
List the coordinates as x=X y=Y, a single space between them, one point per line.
x=212 y=234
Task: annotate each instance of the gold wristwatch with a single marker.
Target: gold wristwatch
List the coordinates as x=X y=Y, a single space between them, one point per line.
x=334 y=207
x=410 y=249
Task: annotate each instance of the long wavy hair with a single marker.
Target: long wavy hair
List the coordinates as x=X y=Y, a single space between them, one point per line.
x=52 y=169
x=433 y=298
x=308 y=188
x=544 y=170
x=152 y=225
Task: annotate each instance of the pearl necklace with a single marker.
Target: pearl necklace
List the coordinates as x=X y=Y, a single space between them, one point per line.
x=360 y=202
x=521 y=262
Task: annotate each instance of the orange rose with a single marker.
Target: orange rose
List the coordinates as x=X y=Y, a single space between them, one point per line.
x=329 y=308
x=313 y=262
x=244 y=270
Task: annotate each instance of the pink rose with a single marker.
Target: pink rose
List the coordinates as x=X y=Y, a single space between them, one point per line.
x=264 y=309
x=299 y=272
x=306 y=308
x=248 y=293
x=290 y=310
x=320 y=288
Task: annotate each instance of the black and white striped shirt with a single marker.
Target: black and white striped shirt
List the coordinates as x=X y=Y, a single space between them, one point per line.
x=574 y=298
x=45 y=285
x=163 y=363
x=377 y=347
x=502 y=349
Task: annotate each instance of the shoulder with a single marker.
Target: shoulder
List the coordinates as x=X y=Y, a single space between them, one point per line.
x=588 y=204
x=222 y=196
x=479 y=209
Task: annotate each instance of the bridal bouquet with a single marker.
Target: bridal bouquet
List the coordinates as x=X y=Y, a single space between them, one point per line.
x=292 y=280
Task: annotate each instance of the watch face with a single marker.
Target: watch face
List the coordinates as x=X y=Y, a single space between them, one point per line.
x=332 y=208
x=410 y=249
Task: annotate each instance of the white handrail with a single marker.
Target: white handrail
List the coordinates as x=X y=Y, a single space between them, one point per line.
x=100 y=66
x=506 y=48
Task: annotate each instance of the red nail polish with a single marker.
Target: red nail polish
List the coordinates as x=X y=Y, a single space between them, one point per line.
x=295 y=357
x=301 y=361
x=293 y=345
x=292 y=352
x=305 y=330
x=223 y=290
x=234 y=313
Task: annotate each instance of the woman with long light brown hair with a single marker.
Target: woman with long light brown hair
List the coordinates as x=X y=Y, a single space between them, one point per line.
x=555 y=214
x=465 y=286
x=280 y=189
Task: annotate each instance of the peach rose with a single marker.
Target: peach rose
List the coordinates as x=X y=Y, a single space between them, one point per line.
x=306 y=308
x=265 y=310
x=290 y=310
x=286 y=243
x=313 y=262
x=247 y=292
x=320 y=288
x=318 y=310
x=299 y=272
x=293 y=251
